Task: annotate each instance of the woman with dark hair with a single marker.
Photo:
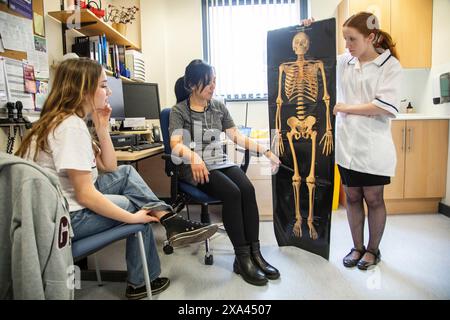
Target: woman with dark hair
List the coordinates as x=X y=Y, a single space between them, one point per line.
x=368 y=79
x=197 y=122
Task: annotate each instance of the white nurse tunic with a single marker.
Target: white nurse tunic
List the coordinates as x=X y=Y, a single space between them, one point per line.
x=364 y=143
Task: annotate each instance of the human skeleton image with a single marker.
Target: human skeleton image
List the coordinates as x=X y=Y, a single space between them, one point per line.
x=300 y=82
x=301 y=86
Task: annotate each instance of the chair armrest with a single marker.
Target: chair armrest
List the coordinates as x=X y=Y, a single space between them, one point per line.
x=172 y=170
x=251 y=153
x=170 y=157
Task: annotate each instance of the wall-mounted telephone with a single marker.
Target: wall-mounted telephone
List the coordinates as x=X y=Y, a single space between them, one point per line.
x=15 y=124
x=13 y=120
x=10 y=106
x=156 y=132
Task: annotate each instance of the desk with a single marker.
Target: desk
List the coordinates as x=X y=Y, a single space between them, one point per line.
x=130 y=157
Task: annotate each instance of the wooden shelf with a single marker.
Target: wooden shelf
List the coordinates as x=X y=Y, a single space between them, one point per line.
x=110 y=73
x=99 y=27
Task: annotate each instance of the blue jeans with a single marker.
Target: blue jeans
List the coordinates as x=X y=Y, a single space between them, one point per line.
x=125 y=188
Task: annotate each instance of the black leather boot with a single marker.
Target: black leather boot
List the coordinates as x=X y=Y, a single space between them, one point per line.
x=271 y=272
x=243 y=265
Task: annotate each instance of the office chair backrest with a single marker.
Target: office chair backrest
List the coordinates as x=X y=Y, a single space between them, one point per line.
x=164 y=120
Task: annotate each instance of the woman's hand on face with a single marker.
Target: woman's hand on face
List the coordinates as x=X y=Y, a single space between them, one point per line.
x=143 y=216
x=307 y=22
x=101 y=116
x=199 y=172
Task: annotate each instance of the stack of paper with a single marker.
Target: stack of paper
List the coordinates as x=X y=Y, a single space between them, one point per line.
x=134 y=61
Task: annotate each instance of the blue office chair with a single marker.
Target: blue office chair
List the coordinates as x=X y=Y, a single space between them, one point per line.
x=87 y=246
x=182 y=194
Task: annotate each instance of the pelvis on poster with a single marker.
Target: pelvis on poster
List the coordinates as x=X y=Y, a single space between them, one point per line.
x=301 y=75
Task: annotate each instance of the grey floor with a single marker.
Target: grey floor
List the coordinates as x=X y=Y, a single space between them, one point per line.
x=415 y=265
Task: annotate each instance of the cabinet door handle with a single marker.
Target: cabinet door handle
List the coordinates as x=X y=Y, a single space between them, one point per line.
x=403 y=139
x=411 y=135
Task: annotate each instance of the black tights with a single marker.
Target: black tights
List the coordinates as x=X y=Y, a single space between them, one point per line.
x=239 y=212
x=376 y=214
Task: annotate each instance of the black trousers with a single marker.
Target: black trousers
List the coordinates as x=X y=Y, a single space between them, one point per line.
x=239 y=212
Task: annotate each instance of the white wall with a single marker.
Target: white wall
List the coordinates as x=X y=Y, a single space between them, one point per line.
x=153 y=29
x=172 y=37
x=323 y=9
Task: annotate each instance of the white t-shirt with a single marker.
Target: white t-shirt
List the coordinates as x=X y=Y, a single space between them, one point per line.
x=364 y=143
x=71 y=148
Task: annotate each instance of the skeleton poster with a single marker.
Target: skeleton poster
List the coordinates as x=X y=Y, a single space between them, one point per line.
x=301 y=86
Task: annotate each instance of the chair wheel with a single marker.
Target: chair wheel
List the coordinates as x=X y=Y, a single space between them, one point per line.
x=168 y=249
x=209 y=260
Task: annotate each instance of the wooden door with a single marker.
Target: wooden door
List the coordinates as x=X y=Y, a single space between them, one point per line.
x=411 y=27
x=426 y=158
x=346 y=8
x=395 y=190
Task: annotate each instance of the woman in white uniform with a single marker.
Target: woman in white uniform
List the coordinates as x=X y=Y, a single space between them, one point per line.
x=368 y=79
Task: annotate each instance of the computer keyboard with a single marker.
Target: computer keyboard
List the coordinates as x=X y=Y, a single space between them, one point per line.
x=146 y=146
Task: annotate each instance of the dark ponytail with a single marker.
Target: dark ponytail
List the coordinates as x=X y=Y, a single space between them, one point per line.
x=180 y=90
x=367 y=23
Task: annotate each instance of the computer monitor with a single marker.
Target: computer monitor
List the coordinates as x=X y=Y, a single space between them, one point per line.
x=116 y=99
x=141 y=100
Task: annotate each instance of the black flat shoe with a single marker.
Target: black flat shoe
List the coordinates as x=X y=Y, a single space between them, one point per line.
x=364 y=265
x=350 y=262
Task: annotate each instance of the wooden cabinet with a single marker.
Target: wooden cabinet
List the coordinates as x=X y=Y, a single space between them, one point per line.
x=411 y=28
x=408 y=21
x=426 y=157
x=421 y=174
x=396 y=189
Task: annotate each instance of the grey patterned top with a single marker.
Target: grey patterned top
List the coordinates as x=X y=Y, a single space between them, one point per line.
x=208 y=131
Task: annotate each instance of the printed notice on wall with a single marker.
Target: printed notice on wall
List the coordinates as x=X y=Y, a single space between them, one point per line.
x=16 y=32
x=3 y=89
x=16 y=84
x=39 y=58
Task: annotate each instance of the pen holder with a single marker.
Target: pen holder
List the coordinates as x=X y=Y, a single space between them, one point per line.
x=121 y=28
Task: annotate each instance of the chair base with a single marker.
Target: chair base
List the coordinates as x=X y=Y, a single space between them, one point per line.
x=167 y=248
x=209 y=260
